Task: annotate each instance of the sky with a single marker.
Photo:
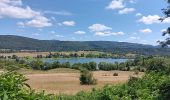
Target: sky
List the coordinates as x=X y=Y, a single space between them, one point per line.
x=134 y=21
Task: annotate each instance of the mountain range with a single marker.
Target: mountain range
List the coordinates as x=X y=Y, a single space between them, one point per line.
x=24 y=43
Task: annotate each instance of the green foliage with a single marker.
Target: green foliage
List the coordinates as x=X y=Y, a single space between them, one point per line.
x=86 y=78
x=12 y=86
x=37 y=65
x=107 y=66
x=10 y=65
x=90 y=66
x=156 y=64
x=166 y=12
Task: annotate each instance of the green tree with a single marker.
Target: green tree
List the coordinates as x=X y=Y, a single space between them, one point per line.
x=37 y=65
x=166 y=12
x=86 y=78
x=156 y=64
x=56 y=64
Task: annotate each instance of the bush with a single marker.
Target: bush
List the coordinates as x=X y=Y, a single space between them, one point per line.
x=12 y=86
x=37 y=65
x=115 y=74
x=156 y=64
x=86 y=78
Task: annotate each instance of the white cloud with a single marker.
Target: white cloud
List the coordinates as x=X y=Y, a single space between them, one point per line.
x=68 y=23
x=12 y=8
x=73 y=38
x=152 y=19
x=126 y=10
x=99 y=27
x=52 y=32
x=133 y=38
x=138 y=14
x=38 y=22
x=64 y=13
x=17 y=12
x=21 y=24
x=147 y=30
x=80 y=32
x=102 y=30
x=163 y=30
x=167 y=20
x=15 y=9
x=56 y=35
x=132 y=1
x=108 y=33
x=36 y=34
x=120 y=5
x=12 y=2
x=115 y=4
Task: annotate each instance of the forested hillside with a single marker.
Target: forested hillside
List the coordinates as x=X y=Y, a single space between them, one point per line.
x=24 y=43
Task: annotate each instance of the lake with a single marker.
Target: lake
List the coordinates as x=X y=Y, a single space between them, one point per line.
x=86 y=60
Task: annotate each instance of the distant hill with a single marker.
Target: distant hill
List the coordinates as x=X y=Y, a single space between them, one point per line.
x=24 y=43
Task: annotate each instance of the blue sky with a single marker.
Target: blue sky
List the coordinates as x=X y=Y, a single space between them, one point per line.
x=133 y=21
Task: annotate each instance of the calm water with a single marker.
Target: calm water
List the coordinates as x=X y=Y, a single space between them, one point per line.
x=86 y=60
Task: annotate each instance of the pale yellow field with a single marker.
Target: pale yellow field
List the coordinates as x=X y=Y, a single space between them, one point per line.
x=68 y=82
x=34 y=54
x=25 y=54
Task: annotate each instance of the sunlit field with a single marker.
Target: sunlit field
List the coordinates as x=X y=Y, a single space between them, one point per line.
x=66 y=81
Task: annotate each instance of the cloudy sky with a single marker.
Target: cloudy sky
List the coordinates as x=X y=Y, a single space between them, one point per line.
x=133 y=21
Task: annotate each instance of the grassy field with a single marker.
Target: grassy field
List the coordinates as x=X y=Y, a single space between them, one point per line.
x=66 y=81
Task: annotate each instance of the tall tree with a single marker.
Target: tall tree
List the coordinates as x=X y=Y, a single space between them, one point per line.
x=166 y=12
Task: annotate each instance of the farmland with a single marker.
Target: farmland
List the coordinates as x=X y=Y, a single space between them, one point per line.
x=66 y=54
x=66 y=81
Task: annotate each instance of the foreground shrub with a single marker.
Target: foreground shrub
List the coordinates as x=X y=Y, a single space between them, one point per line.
x=86 y=78
x=12 y=86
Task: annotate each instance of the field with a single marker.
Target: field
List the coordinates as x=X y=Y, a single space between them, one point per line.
x=34 y=54
x=67 y=81
x=25 y=54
